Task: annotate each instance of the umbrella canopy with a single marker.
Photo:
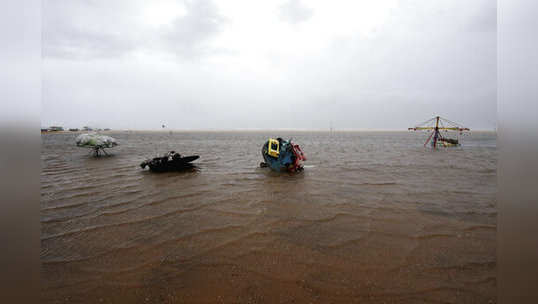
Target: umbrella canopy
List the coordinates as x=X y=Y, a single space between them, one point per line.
x=96 y=141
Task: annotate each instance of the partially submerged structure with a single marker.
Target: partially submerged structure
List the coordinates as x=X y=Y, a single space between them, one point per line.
x=282 y=156
x=436 y=125
x=171 y=161
x=56 y=128
x=96 y=142
x=52 y=129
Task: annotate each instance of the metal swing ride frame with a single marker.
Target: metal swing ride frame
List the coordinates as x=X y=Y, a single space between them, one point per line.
x=441 y=124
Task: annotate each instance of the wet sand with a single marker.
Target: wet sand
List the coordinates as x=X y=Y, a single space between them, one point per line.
x=374 y=218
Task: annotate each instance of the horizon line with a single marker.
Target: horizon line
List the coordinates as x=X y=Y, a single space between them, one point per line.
x=263 y=130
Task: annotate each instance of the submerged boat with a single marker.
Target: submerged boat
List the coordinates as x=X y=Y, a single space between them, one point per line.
x=282 y=156
x=447 y=142
x=171 y=161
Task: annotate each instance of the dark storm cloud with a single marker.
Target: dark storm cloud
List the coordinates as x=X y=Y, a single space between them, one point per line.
x=398 y=65
x=189 y=33
x=294 y=11
x=83 y=30
x=102 y=29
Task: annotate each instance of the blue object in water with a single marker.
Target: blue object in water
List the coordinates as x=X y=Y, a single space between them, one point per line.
x=287 y=159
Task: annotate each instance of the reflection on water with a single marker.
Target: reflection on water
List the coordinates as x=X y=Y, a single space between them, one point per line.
x=375 y=217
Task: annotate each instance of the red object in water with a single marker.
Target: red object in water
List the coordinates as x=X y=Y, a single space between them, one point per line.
x=299 y=157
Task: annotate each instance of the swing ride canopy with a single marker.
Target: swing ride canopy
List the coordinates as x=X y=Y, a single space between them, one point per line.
x=443 y=124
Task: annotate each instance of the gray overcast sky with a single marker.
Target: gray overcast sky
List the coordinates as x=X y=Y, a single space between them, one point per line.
x=234 y=64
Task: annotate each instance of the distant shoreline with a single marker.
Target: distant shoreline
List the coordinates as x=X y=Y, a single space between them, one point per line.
x=253 y=130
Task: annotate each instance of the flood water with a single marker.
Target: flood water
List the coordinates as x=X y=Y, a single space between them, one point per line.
x=374 y=218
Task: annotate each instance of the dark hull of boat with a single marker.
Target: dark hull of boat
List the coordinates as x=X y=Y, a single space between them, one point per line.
x=164 y=165
x=171 y=167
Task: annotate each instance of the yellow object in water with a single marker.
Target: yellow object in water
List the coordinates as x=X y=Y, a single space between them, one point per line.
x=273 y=148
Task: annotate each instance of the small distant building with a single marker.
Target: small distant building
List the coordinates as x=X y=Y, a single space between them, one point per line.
x=73 y=130
x=56 y=128
x=44 y=130
x=107 y=129
x=86 y=128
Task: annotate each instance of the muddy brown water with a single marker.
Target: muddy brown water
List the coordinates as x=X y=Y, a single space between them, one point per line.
x=374 y=218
